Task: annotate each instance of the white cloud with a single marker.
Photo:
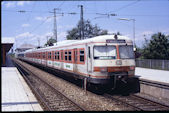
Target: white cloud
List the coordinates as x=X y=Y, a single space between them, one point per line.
x=61 y=36
x=111 y=32
x=49 y=34
x=25 y=25
x=65 y=26
x=10 y=4
x=30 y=38
x=38 y=18
x=21 y=3
x=47 y=19
x=147 y=33
x=25 y=35
x=14 y=4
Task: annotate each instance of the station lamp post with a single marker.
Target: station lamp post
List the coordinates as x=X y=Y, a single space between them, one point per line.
x=133 y=28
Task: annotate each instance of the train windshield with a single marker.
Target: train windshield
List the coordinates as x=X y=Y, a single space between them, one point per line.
x=126 y=52
x=105 y=52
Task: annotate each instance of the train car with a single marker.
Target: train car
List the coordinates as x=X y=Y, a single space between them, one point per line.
x=102 y=60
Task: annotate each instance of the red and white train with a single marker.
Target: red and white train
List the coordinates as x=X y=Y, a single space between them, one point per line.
x=102 y=60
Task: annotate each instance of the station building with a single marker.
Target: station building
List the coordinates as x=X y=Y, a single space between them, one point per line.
x=24 y=47
x=6 y=44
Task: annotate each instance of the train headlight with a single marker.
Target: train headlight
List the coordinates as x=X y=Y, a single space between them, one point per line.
x=118 y=62
x=103 y=69
x=132 y=67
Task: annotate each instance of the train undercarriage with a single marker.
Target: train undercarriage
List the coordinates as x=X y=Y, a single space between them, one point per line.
x=118 y=82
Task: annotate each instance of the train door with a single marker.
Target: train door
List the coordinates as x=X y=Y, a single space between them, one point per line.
x=75 y=54
x=89 y=59
x=46 y=57
x=61 y=59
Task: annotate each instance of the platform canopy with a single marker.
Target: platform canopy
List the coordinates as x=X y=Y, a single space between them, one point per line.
x=24 y=47
x=6 y=43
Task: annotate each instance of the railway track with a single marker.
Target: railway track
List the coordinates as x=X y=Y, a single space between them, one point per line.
x=138 y=103
x=50 y=98
x=132 y=102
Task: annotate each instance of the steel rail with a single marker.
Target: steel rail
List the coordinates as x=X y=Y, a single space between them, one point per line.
x=150 y=102
x=35 y=91
x=113 y=98
x=31 y=73
x=153 y=102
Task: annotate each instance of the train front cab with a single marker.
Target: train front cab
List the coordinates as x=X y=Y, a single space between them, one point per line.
x=114 y=65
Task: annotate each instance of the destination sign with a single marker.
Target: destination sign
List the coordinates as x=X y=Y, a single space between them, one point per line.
x=115 y=41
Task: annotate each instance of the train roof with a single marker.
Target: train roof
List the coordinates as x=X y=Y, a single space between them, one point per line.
x=101 y=38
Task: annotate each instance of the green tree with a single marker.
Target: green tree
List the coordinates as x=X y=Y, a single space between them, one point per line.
x=157 y=47
x=89 y=31
x=138 y=52
x=118 y=33
x=50 y=42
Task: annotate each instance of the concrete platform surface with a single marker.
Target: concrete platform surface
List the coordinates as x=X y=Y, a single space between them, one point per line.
x=16 y=95
x=153 y=74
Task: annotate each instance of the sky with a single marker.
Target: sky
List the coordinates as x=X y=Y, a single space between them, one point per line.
x=36 y=23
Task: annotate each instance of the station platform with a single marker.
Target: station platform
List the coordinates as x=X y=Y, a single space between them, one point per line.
x=153 y=74
x=16 y=95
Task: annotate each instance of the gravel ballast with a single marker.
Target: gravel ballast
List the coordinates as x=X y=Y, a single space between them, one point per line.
x=89 y=101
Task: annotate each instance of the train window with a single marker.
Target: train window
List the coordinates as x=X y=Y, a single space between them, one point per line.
x=70 y=55
x=61 y=55
x=49 y=55
x=105 y=52
x=44 y=55
x=55 y=56
x=126 y=52
x=75 y=55
x=58 y=55
x=65 y=55
x=89 y=51
x=81 y=55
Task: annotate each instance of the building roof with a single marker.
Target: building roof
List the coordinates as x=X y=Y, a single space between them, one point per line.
x=26 y=46
x=8 y=40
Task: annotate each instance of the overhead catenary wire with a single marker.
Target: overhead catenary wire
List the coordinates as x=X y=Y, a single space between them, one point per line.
x=40 y=24
x=74 y=13
x=125 y=6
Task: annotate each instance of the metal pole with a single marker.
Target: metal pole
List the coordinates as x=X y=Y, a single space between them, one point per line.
x=81 y=23
x=38 y=41
x=55 y=25
x=134 y=31
x=85 y=85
